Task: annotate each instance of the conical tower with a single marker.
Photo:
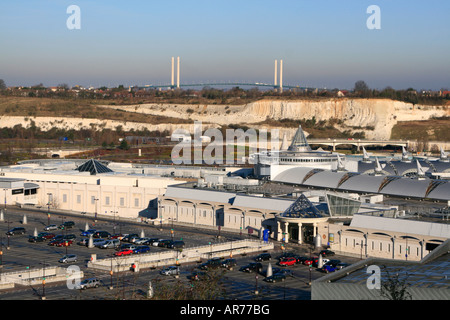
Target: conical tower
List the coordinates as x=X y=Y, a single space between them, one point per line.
x=299 y=143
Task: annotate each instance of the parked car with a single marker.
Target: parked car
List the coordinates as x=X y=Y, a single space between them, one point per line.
x=163 y=243
x=286 y=272
x=88 y=283
x=35 y=239
x=326 y=253
x=263 y=257
x=141 y=249
x=131 y=237
x=169 y=271
x=128 y=246
x=211 y=264
x=15 y=231
x=290 y=261
x=46 y=235
x=176 y=244
x=342 y=265
x=110 y=244
x=155 y=243
x=51 y=227
x=54 y=242
x=141 y=240
x=228 y=263
x=57 y=237
x=101 y=234
x=316 y=263
x=68 y=258
x=69 y=237
x=328 y=268
x=310 y=261
x=67 y=225
x=87 y=233
x=302 y=259
x=98 y=242
x=150 y=241
x=286 y=255
x=83 y=242
x=118 y=236
x=252 y=267
x=64 y=243
x=123 y=252
x=275 y=278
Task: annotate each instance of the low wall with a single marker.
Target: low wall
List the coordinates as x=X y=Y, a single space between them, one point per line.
x=171 y=257
x=34 y=276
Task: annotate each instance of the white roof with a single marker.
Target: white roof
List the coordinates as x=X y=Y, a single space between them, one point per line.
x=409 y=227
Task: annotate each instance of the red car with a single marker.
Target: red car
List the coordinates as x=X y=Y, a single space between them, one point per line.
x=310 y=261
x=46 y=235
x=290 y=261
x=64 y=243
x=123 y=252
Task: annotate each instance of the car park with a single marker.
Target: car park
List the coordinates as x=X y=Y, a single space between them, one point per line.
x=67 y=225
x=326 y=253
x=141 y=249
x=275 y=278
x=16 y=231
x=110 y=244
x=252 y=267
x=51 y=227
x=169 y=271
x=211 y=264
x=123 y=252
x=290 y=261
x=88 y=283
x=68 y=258
x=228 y=263
x=263 y=257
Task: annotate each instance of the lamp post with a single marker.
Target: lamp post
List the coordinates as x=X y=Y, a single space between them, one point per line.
x=95 y=216
x=50 y=195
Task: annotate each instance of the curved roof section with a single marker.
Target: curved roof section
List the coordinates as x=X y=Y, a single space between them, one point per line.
x=355 y=182
x=400 y=168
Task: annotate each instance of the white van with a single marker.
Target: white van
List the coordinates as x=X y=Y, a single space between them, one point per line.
x=110 y=244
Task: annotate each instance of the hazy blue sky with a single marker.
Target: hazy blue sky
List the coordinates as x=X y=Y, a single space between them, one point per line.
x=322 y=43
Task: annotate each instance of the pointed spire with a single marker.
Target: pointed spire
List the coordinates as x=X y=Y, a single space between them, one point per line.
x=378 y=168
x=366 y=155
x=420 y=172
x=299 y=143
x=405 y=155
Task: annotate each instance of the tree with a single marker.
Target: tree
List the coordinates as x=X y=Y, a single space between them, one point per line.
x=124 y=145
x=395 y=288
x=360 y=85
x=2 y=84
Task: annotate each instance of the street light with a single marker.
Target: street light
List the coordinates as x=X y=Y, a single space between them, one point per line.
x=95 y=217
x=48 y=212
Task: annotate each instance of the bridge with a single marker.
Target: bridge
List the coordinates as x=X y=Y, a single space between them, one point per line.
x=278 y=81
x=358 y=142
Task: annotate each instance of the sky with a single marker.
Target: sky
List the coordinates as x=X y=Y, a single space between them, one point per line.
x=324 y=44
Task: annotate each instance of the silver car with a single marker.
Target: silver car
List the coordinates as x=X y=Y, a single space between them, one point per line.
x=110 y=244
x=89 y=283
x=172 y=270
x=68 y=258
